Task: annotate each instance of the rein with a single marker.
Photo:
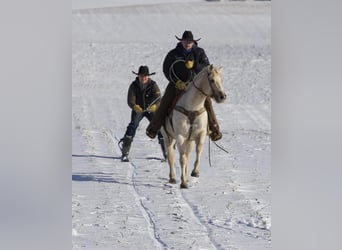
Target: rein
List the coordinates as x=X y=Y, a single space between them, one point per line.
x=200 y=90
x=220 y=147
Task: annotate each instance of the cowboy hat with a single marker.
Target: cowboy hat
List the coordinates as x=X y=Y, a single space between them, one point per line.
x=187 y=36
x=143 y=70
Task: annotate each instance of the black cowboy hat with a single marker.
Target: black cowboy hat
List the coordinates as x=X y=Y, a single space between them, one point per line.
x=187 y=36
x=143 y=70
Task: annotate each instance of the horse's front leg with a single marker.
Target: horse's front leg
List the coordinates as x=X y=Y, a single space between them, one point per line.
x=199 y=150
x=184 y=151
x=184 y=165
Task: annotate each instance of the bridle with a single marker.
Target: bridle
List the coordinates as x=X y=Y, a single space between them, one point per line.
x=193 y=114
x=210 y=81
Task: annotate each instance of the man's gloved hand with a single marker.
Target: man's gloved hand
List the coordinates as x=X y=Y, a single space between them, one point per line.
x=189 y=64
x=137 y=108
x=180 y=85
x=152 y=108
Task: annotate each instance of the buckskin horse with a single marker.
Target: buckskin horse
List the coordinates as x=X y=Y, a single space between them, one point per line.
x=188 y=122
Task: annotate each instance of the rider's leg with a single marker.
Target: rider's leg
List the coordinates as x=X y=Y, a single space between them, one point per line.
x=160 y=114
x=130 y=132
x=214 y=128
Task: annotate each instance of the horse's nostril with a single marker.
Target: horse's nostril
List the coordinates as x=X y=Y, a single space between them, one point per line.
x=223 y=97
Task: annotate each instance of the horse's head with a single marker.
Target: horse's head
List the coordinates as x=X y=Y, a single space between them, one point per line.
x=216 y=84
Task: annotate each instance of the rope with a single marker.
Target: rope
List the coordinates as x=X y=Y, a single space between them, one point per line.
x=172 y=71
x=220 y=147
x=154 y=101
x=209 y=153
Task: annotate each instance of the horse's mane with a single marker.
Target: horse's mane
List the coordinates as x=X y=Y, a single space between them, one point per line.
x=205 y=69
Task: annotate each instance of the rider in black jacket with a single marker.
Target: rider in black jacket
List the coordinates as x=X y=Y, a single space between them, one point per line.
x=180 y=66
x=143 y=98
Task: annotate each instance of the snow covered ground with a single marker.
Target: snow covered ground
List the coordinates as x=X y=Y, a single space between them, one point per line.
x=131 y=205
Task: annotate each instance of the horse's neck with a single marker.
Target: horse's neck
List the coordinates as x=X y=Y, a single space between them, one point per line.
x=192 y=99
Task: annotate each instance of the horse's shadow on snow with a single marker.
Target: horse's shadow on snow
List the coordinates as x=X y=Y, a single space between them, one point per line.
x=108 y=177
x=97 y=177
x=98 y=156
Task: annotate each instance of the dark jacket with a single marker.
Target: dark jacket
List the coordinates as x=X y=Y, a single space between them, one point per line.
x=174 y=70
x=142 y=97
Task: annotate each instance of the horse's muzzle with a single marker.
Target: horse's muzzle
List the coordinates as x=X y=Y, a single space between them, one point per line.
x=221 y=97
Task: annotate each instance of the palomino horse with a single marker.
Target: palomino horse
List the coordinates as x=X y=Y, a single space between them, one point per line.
x=188 y=122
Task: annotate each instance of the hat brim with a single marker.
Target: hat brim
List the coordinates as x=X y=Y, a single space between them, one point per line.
x=180 y=39
x=153 y=73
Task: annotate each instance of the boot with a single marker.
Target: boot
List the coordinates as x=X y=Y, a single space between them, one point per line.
x=152 y=129
x=214 y=129
x=162 y=145
x=162 y=111
x=214 y=133
x=126 y=145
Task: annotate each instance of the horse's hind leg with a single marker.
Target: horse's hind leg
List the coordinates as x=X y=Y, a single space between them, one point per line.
x=171 y=161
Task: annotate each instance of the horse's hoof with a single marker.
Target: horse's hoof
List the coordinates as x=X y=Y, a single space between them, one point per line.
x=184 y=185
x=172 y=181
x=193 y=174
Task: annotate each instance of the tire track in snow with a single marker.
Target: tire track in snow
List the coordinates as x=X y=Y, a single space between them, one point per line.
x=178 y=205
x=175 y=224
x=147 y=213
x=195 y=213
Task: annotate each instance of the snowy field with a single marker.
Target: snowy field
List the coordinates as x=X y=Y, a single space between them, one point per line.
x=131 y=205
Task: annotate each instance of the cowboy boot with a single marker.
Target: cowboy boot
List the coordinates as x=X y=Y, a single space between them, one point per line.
x=126 y=145
x=162 y=111
x=214 y=129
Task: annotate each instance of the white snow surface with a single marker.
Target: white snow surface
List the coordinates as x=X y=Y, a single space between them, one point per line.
x=131 y=205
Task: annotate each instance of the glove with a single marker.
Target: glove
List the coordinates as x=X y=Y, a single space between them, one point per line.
x=180 y=85
x=189 y=61
x=189 y=64
x=137 y=108
x=152 y=108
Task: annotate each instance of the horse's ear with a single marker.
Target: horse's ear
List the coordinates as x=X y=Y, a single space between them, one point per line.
x=219 y=70
x=211 y=67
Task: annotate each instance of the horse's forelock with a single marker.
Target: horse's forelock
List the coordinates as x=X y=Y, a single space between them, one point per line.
x=217 y=70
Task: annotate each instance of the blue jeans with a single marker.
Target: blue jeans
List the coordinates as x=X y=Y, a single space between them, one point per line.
x=135 y=120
